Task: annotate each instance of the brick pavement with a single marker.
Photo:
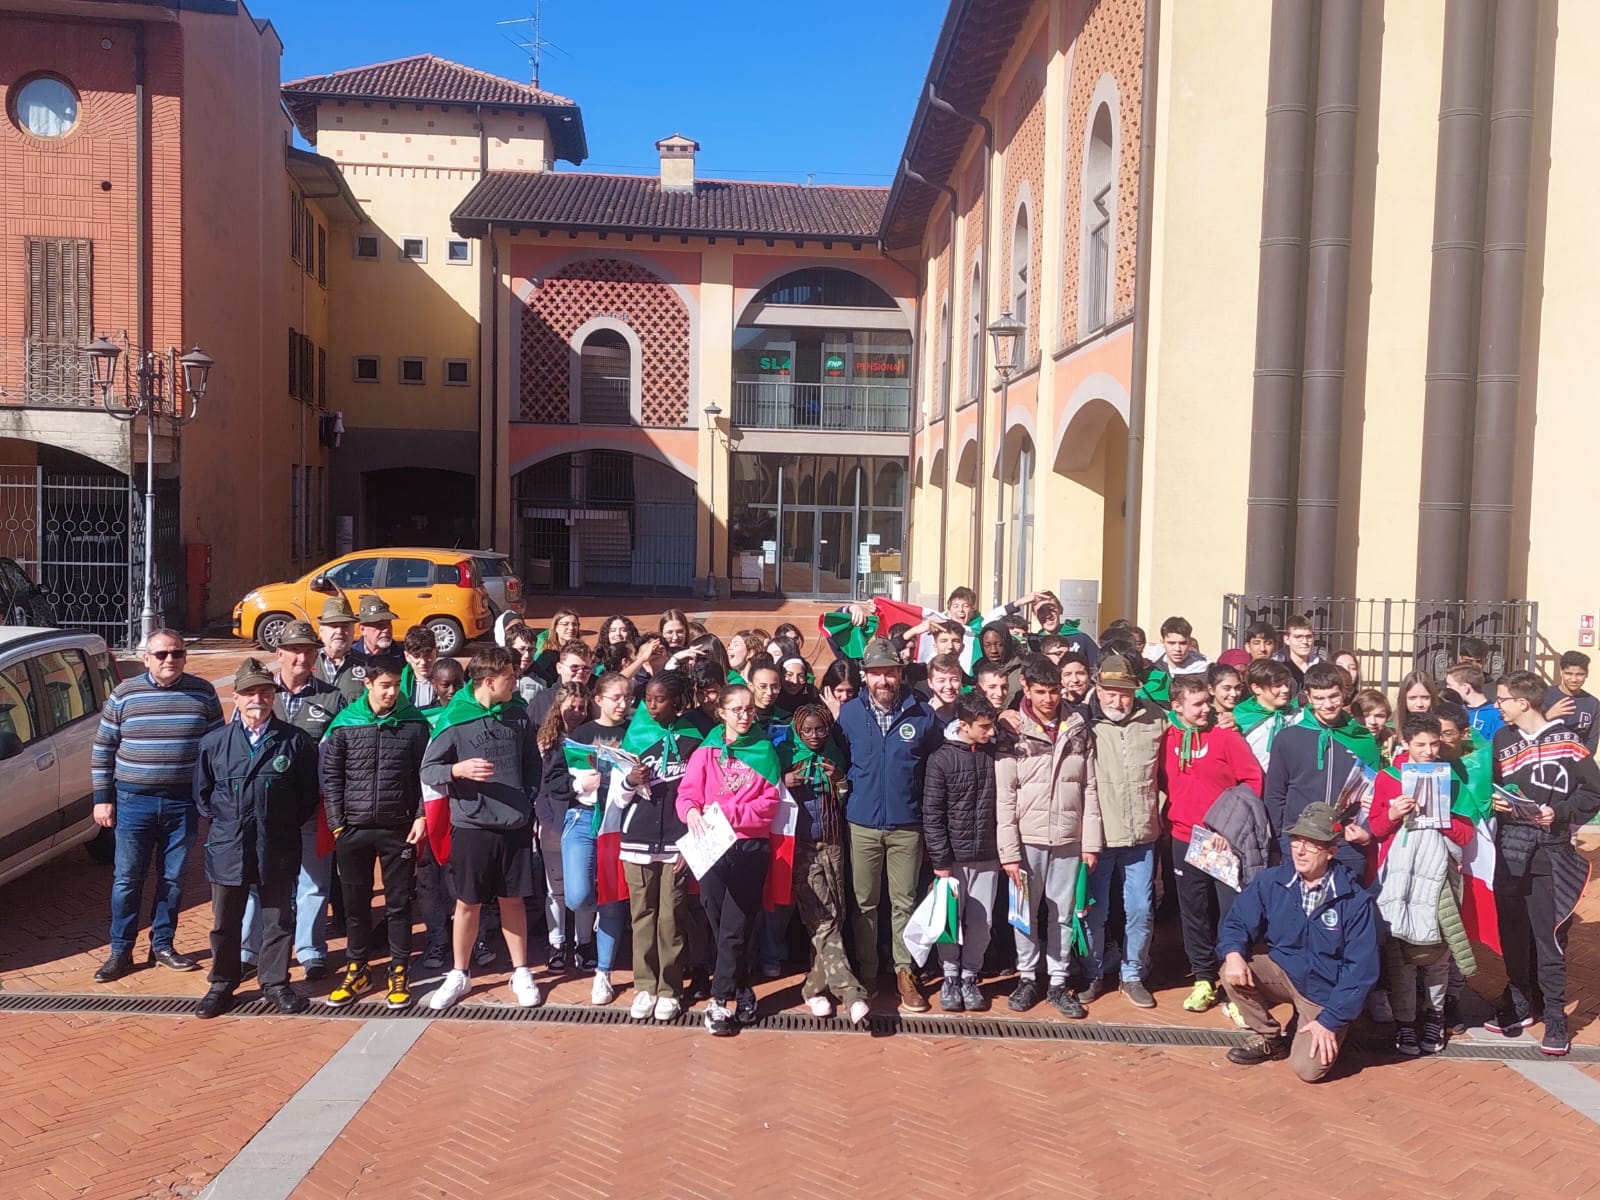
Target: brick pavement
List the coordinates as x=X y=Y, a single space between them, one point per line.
x=126 y=1109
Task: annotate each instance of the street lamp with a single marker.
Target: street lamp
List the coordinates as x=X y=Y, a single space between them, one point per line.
x=712 y=412
x=1006 y=333
x=157 y=377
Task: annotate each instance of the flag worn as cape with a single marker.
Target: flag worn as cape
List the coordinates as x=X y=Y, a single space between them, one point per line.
x=658 y=747
x=1352 y=735
x=462 y=709
x=1157 y=688
x=1249 y=714
x=1474 y=772
x=757 y=752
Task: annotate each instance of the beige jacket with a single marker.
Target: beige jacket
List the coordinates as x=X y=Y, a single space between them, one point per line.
x=1127 y=765
x=1047 y=791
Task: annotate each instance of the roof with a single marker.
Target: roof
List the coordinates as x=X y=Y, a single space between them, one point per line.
x=322 y=180
x=13 y=636
x=973 y=46
x=639 y=204
x=429 y=79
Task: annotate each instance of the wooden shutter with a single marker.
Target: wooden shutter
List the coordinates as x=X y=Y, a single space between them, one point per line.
x=294 y=365
x=58 y=319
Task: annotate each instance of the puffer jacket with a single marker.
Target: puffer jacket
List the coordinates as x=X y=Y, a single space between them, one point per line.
x=958 y=804
x=372 y=775
x=1046 y=788
x=1240 y=817
x=1127 y=765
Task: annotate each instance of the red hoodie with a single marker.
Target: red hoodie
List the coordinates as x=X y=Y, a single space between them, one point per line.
x=1221 y=759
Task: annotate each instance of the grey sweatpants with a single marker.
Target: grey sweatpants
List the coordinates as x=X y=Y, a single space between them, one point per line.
x=1052 y=883
x=978 y=883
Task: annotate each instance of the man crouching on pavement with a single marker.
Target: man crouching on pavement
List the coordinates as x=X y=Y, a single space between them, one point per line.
x=1322 y=950
x=256 y=783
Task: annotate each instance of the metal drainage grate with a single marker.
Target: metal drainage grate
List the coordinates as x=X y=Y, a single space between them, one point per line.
x=879 y=1024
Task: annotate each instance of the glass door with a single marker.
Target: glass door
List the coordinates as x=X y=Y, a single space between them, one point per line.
x=836 y=553
x=797 y=568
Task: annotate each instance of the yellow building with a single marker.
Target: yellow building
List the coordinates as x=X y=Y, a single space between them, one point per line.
x=1327 y=327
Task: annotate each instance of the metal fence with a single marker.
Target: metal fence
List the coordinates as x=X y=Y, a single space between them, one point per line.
x=1392 y=637
x=861 y=407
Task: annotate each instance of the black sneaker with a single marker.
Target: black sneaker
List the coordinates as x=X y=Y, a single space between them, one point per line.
x=557 y=960
x=972 y=996
x=699 y=987
x=1405 y=1040
x=114 y=967
x=285 y=999
x=434 y=957
x=585 y=957
x=950 y=996
x=1024 y=996
x=483 y=954
x=1259 y=1050
x=719 y=1020
x=1452 y=1015
x=744 y=1006
x=1508 y=1022
x=1555 y=1042
x=1066 y=1001
x=1433 y=1033
x=215 y=1002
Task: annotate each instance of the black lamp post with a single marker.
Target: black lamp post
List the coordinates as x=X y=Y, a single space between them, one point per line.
x=1006 y=333
x=712 y=412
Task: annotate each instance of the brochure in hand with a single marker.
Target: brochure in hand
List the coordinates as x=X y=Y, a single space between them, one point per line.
x=1355 y=795
x=1523 y=810
x=1429 y=785
x=1211 y=853
x=703 y=850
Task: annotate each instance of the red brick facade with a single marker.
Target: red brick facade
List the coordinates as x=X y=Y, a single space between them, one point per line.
x=1023 y=159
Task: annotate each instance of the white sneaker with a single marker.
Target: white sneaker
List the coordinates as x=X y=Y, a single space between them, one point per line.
x=452 y=991
x=667 y=1008
x=859 y=1012
x=820 y=1006
x=525 y=989
x=602 y=992
x=644 y=1004
x=1378 y=1007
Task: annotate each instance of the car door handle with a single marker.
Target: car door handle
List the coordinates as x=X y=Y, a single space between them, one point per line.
x=45 y=761
x=424 y=595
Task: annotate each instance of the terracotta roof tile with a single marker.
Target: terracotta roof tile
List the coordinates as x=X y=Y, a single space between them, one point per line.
x=580 y=200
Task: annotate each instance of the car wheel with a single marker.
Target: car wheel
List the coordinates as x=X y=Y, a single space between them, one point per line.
x=269 y=629
x=102 y=847
x=448 y=635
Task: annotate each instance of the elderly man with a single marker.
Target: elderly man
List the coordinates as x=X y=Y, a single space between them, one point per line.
x=377 y=620
x=890 y=734
x=1322 y=950
x=255 y=780
x=307 y=703
x=1127 y=737
x=142 y=768
x=340 y=662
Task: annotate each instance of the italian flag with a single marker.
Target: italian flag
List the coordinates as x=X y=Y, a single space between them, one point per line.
x=851 y=640
x=1474 y=788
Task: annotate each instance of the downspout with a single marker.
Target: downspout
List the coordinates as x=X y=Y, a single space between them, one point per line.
x=949 y=334
x=141 y=190
x=1452 y=303
x=1327 y=298
x=1278 y=296
x=1137 y=382
x=483 y=145
x=493 y=542
x=983 y=123
x=1505 y=252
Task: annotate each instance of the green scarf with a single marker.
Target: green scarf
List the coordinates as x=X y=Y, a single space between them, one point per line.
x=1349 y=733
x=1156 y=688
x=464 y=709
x=644 y=731
x=849 y=637
x=1068 y=628
x=808 y=761
x=360 y=714
x=1191 y=740
x=1251 y=713
x=753 y=749
x=736 y=677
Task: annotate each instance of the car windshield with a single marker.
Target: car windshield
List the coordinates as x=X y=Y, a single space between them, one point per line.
x=356 y=573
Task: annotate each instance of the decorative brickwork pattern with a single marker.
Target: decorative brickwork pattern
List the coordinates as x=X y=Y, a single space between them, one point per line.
x=1024 y=164
x=1110 y=40
x=561 y=302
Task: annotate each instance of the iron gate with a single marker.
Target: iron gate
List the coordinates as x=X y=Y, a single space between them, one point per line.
x=81 y=537
x=1392 y=637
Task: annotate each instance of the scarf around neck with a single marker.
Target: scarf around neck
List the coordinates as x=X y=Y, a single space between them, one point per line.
x=360 y=714
x=1190 y=742
x=464 y=708
x=1352 y=735
x=753 y=749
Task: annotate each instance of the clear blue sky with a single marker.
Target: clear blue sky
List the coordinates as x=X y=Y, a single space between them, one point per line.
x=769 y=90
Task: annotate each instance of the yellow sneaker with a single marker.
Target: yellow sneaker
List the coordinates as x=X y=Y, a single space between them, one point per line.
x=399 y=987
x=357 y=979
x=1201 y=998
x=1234 y=1014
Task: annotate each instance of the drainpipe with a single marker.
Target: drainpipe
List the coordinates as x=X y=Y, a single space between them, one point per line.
x=141 y=191
x=1134 y=495
x=949 y=334
x=1278 y=299
x=1327 y=298
x=983 y=123
x=1452 y=303
x=493 y=542
x=1505 y=251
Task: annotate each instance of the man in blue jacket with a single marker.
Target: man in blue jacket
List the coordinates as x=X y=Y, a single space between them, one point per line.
x=1322 y=950
x=890 y=734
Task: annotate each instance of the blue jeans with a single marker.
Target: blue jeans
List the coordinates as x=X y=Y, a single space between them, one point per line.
x=310 y=905
x=1138 y=865
x=147 y=826
x=578 y=859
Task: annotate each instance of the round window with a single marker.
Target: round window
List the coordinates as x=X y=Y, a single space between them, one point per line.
x=46 y=107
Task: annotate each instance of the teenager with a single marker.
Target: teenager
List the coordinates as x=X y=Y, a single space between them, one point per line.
x=1371 y=707
x=1076 y=682
x=566 y=716
x=1269 y=708
x=1052 y=623
x=944 y=687
x=1467 y=681
x=421 y=650
x=1227 y=690
x=1261 y=640
x=1571 y=705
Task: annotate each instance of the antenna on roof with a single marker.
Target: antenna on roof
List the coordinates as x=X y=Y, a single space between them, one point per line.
x=531 y=41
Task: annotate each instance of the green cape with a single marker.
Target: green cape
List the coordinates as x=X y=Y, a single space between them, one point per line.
x=753 y=749
x=464 y=708
x=359 y=713
x=1349 y=733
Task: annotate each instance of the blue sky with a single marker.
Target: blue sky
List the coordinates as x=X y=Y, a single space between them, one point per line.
x=770 y=91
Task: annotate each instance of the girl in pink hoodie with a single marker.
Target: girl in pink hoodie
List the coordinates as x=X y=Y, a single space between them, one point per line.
x=737 y=770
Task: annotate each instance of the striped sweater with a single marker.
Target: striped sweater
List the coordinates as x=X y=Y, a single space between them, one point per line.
x=149 y=737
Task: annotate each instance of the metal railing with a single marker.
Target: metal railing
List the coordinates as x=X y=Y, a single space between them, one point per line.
x=859 y=407
x=38 y=373
x=1391 y=637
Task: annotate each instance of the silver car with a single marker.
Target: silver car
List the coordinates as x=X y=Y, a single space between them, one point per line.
x=53 y=683
x=500 y=581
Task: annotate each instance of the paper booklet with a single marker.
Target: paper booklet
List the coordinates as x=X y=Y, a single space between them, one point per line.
x=1020 y=913
x=702 y=851
x=1211 y=853
x=1523 y=810
x=1355 y=795
x=1429 y=785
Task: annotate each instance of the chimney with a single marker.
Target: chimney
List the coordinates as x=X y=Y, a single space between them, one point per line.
x=677 y=163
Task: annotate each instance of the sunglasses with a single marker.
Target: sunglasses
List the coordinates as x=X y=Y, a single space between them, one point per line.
x=163 y=655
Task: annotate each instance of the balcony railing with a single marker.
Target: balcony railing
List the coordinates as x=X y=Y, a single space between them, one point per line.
x=857 y=407
x=44 y=374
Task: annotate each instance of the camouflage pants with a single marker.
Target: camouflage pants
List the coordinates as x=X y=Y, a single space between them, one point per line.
x=819 y=895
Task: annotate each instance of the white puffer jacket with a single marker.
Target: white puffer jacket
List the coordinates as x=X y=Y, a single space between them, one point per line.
x=1409 y=883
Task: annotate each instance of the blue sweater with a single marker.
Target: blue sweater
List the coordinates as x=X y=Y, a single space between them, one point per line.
x=886 y=769
x=1331 y=956
x=149 y=737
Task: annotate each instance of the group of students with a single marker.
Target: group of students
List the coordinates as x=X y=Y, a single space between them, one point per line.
x=989 y=749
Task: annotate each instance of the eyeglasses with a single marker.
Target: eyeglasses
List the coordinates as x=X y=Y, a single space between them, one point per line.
x=739 y=712
x=163 y=655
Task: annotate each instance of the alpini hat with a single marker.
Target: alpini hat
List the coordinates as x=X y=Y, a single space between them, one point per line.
x=298 y=633
x=1117 y=674
x=879 y=653
x=251 y=674
x=1317 y=822
x=336 y=611
x=373 y=610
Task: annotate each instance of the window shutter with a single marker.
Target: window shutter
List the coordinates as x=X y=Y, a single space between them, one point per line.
x=58 y=319
x=294 y=367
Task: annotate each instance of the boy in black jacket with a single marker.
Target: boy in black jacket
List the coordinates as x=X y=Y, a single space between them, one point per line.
x=1539 y=877
x=958 y=821
x=371 y=774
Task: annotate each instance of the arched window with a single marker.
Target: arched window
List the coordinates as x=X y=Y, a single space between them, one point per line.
x=1021 y=263
x=975 y=336
x=830 y=287
x=1099 y=210
x=944 y=357
x=605 y=386
x=1022 y=518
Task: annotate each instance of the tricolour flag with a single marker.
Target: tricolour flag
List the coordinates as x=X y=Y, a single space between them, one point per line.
x=779 y=890
x=1472 y=800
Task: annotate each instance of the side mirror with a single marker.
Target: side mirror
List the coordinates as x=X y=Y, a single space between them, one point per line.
x=321 y=583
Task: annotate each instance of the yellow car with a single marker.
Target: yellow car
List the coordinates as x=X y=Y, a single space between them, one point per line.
x=442 y=589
